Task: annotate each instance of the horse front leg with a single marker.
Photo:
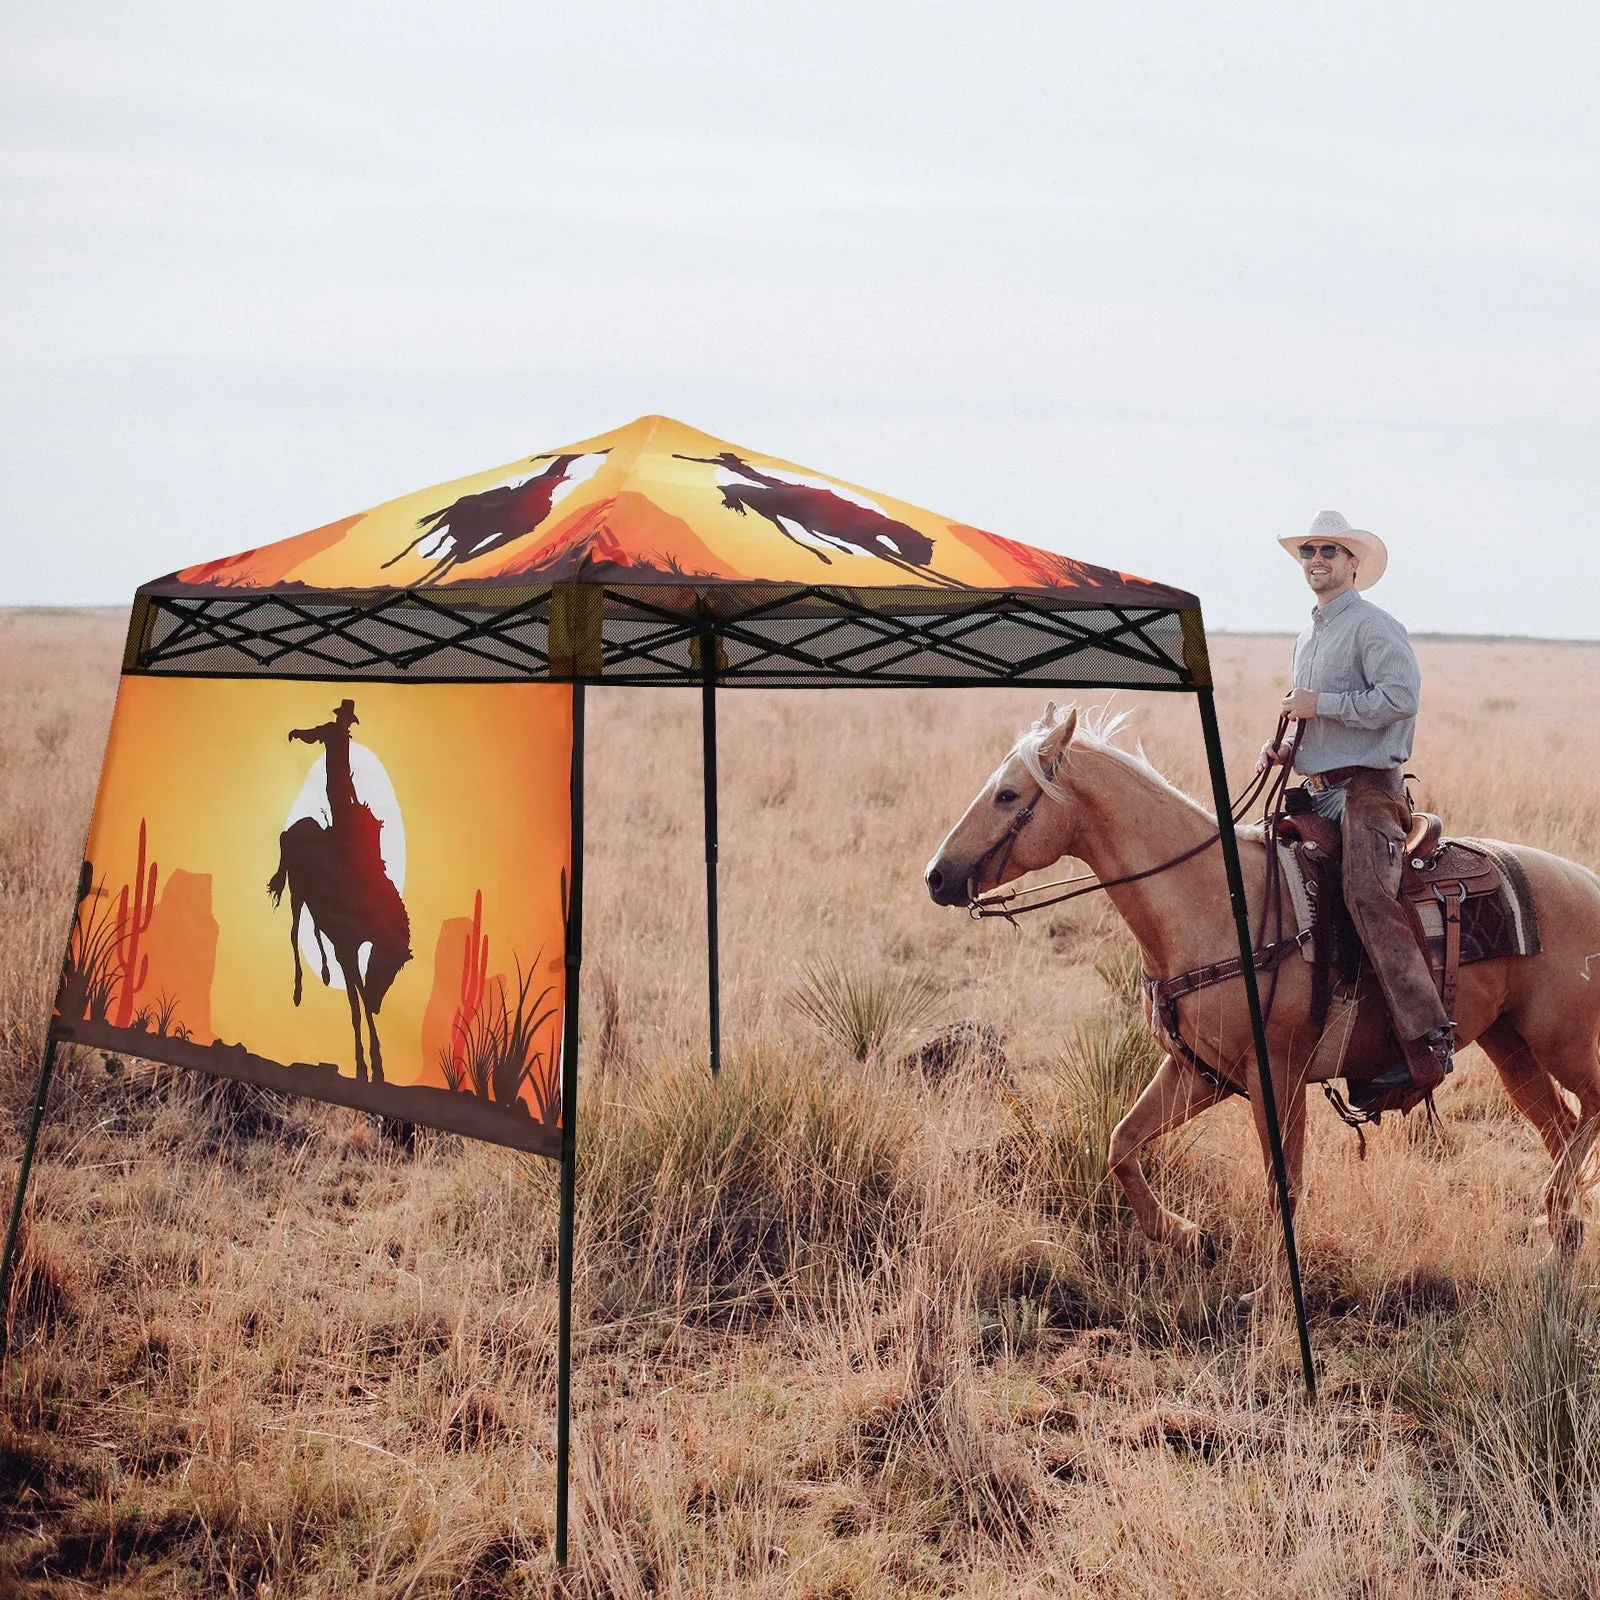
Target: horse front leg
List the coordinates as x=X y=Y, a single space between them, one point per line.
x=1170 y=1099
x=1290 y=1099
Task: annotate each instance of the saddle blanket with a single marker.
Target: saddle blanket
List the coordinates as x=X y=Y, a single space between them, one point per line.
x=1502 y=924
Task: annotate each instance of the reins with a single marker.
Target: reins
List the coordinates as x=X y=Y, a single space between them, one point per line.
x=1001 y=902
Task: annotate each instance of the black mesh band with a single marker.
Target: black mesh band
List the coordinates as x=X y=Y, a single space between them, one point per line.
x=765 y=634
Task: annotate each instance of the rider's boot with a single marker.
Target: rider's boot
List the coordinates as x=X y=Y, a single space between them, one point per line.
x=1432 y=1057
x=1423 y=1066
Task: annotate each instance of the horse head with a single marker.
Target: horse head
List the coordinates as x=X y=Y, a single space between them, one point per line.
x=1017 y=824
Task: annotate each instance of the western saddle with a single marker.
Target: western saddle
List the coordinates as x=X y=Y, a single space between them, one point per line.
x=1434 y=871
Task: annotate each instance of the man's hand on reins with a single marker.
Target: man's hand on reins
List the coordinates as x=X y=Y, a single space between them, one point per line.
x=1301 y=704
x=1273 y=755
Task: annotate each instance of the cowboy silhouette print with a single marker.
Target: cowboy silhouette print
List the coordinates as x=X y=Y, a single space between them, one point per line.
x=820 y=518
x=476 y=525
x=351 y=825
x=336 y=873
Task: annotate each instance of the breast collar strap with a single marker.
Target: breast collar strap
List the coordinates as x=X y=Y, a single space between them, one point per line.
x=1165 y=993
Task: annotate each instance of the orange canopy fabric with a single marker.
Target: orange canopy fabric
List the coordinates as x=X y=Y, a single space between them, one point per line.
x=657 y=553
x=657 y=503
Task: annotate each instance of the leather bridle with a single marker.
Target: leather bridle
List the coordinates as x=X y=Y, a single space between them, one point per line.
x=1006 y=843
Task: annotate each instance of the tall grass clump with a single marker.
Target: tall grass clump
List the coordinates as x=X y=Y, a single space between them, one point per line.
x=1517 y=1406
x=861 y=1010
x=725 y=1198
x=1062 y=1155
x=1120 y=967
x=1523 y=1394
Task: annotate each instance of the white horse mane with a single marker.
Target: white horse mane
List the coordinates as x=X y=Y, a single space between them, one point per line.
x=1095 y=731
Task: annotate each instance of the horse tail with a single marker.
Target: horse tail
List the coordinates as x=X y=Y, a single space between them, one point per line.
x=280 y=877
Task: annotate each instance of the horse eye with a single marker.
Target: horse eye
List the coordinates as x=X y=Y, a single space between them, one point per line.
x=1005 y=797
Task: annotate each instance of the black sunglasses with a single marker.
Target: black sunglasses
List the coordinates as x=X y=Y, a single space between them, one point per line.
x=1326 y=551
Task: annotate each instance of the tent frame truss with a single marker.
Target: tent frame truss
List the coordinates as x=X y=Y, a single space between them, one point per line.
x=790 y=637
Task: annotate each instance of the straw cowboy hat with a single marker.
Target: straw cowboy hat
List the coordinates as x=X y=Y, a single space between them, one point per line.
x=1368 y=549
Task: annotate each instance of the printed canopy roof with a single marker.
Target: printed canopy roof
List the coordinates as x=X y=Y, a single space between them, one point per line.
x=613 y=559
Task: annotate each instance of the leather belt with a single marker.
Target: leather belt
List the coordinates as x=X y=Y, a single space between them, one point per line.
x=1334 y=777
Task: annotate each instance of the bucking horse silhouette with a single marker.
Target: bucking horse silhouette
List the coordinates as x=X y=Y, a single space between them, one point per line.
x=826 y=517
x=336 y=873
x=477 y=524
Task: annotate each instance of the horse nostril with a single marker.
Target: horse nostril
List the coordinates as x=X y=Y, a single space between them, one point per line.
x=935 y=879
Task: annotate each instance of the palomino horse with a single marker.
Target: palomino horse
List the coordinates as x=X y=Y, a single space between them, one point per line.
x=1537 y=1017
x=352 y=903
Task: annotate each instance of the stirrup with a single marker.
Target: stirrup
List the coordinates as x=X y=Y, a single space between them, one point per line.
x=1365 y=1093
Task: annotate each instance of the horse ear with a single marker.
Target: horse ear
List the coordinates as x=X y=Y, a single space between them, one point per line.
x=1054 y=745
x=1048 y=719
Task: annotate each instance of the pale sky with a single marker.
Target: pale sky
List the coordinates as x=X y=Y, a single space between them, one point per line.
x=1151 y=284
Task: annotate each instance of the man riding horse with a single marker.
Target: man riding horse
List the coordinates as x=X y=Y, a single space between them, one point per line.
x=1356 y=687
x=337 y=873
x=1524 y=992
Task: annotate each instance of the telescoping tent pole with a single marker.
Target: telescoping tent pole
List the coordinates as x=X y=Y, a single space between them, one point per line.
x=40 y=1094
x=1269 y=1101
x=569 y=1139
x=708 y=744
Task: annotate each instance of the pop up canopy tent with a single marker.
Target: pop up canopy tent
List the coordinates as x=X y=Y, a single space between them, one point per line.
x=463 y=622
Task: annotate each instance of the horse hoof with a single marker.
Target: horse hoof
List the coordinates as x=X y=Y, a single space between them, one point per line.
x=1195 y=1244
x=1247 y=1305
x=1568 y=1236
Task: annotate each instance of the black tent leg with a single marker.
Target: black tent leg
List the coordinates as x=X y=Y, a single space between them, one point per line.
x=1269 y=1101
x=708 y=743
x=40 y=1093
x=569 y=1139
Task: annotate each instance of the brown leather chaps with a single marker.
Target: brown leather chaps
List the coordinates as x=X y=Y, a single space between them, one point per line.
x=1376 y=818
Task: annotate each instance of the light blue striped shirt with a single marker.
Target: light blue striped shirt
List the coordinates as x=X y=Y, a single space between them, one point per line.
x=1360 y=662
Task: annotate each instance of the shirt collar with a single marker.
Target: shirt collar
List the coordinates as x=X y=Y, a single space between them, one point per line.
x=1322 y=614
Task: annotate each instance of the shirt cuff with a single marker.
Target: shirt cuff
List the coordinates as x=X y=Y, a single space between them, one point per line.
x=1329 y=703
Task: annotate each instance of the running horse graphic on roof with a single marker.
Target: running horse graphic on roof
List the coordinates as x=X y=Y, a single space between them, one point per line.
x=819 y=519
x=478 y=524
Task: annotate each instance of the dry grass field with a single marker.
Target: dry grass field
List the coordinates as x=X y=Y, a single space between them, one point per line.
x=841 y=1330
